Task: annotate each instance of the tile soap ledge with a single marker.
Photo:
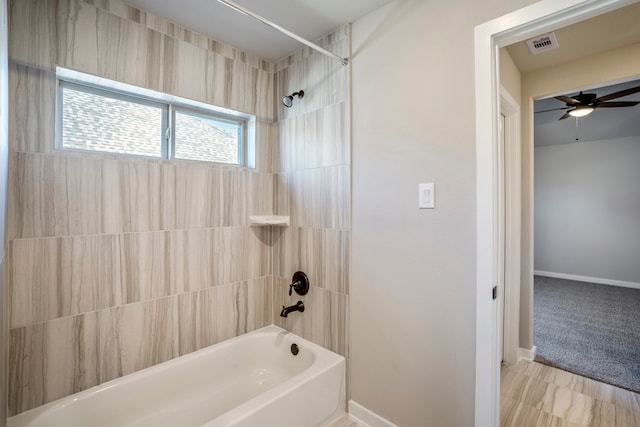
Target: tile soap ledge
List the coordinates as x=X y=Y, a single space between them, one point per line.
x=266 y=220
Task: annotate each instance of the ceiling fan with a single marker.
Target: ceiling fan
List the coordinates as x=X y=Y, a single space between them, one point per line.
x=584 y=103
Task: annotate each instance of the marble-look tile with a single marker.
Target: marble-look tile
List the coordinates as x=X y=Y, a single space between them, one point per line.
x=539 y=395
x=143 y=267
x=33 y=33
x=50 y=360
x=184 y=69
x=98 y=42
x=242 y=253
x=260 y=94
x=234 y=198
x=316 y=139
x=517 y=377
x=266 y=146
x=319 y=198
x=198 y=196
x=32 y=100
x=193 y=264
x=335 y=274
x=57 y=277
x=172 y=29
x=137 y=196
x=77 y=35
x=300 y=249
x=325 y=320
x=323 y=254
x=567 y=404
x=216 y=82
x=327 y=78
x=627 y=400
x=226 y=82
x=212 y=315
x=282 y=194
x=624 y=418
x=518 y=414
x=260 y=191
x=136 y=336
x=53 y=196
x=345 y=422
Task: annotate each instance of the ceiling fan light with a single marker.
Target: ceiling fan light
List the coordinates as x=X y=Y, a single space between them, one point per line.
x=581 y=111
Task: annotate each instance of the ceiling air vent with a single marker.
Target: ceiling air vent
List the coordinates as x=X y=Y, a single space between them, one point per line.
x=543 y=43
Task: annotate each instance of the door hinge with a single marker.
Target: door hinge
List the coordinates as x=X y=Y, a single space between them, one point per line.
x=494 y=292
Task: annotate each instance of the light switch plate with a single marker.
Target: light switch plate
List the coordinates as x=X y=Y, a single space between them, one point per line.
x=426 y=196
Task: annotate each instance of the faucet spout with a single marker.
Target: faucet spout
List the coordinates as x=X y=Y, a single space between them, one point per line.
x=299 y=306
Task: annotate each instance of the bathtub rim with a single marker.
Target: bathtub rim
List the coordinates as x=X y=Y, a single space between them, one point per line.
x=324 y=360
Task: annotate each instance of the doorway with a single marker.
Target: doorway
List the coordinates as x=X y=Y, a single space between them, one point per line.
x=543 y=16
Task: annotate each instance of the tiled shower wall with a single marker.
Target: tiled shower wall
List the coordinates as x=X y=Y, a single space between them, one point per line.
x=313 y=187
x=119 y=263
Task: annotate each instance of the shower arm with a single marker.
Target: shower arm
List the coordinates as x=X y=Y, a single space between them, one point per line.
x=247 y=12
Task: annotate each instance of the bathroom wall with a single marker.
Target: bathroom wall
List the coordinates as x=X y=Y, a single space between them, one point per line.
x=413 y=281
x=4 y=152
x=313 y=187
x=119 y=263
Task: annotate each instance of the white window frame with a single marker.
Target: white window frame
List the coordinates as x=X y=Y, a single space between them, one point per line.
x=207 y=115
x=75 y=80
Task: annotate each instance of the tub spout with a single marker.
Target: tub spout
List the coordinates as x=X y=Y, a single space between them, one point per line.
x=299 y=306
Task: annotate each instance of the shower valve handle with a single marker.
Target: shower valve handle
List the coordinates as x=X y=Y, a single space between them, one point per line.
x=299 y=283
x=295 y=285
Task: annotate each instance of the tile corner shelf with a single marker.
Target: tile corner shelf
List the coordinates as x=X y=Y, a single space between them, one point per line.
x=266 y=220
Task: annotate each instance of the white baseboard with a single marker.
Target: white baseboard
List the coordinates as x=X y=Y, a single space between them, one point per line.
x=587 y=279
x=366 y=417
x=526 y=354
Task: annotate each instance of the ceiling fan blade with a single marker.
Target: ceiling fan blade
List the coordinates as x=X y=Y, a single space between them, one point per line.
x=553 y=109
x=618 y=104
x=567 y=99
x=565 y=116
x=619 y=94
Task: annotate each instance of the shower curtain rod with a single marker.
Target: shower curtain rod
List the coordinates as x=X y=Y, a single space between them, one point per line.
x=238 y=8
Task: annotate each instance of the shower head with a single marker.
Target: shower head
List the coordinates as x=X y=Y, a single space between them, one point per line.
x=287 y=100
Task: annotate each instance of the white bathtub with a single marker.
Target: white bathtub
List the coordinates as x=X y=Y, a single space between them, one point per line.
x=252 y=380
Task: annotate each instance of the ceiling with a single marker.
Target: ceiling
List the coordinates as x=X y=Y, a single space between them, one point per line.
x=603 y=123
x=615 y=29
x=310 y=19
x=596 y=35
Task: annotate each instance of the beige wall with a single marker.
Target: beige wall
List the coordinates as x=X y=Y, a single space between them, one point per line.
x=413 y=296
x=4 y=152
x=611 y=66
x=313 y=187
x=510 y=77
x=116 y=263
x=587 y=208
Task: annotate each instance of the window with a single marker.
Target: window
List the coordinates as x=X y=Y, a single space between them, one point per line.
x=203 y=137
x=95 y=120
x=98 y=115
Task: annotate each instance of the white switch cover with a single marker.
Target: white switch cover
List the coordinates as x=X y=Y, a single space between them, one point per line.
x=426 y=196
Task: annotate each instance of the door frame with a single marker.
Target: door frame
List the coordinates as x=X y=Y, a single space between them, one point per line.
x=509 y=329
x=535 y=19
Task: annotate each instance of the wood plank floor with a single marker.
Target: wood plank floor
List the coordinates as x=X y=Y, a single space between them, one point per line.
x=536 y=395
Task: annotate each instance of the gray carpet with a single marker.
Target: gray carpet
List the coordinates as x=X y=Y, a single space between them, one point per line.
x=588 y=329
